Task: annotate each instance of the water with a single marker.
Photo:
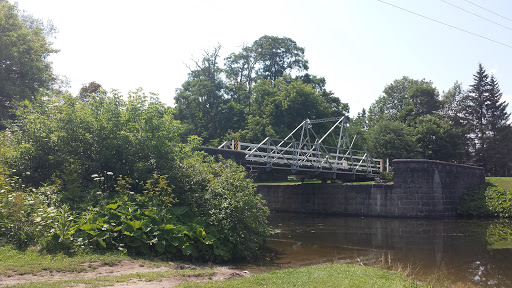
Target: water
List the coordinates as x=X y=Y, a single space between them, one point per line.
x=467 y=251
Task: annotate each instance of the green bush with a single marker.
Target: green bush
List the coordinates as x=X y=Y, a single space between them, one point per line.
x=473 y=202
x=220 y=193
x=203 y=210
x=26 y=214
x=499 y=201
x=486 y=200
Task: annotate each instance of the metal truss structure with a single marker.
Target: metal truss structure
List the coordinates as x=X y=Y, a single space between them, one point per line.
x=303 y=151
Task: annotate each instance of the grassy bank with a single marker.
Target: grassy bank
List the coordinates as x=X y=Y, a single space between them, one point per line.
x=79 y=271
x=502 y=182
x=333 y=275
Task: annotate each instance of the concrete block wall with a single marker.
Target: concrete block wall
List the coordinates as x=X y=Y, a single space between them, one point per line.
x=422 y=188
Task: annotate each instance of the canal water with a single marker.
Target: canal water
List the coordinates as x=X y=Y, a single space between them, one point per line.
x=467 y=251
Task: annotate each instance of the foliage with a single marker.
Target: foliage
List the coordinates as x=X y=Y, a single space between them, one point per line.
x=80 y=147
x=24 y=66
x=221 y=194
x=485 y=117
x=254 y=96
x=133 y=226
x=139 y=224
x=473 y=202
x=70 y=140
x=393 y=140
x=26 y=214
x=402 y=99
x=486 y=200
x=437 y=139
x=200 y=101
x=499 y=201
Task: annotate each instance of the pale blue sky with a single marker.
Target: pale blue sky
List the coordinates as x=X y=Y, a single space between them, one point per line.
x=359 y=46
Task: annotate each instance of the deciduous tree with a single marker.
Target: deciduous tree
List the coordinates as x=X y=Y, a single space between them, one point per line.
x=24 y=50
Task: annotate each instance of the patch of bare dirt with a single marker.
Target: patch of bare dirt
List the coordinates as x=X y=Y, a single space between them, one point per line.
x=122 y=268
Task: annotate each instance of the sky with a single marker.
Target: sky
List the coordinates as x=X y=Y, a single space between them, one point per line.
x=359 y=46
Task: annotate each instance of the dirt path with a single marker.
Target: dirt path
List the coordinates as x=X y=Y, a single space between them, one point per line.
x=123 y=268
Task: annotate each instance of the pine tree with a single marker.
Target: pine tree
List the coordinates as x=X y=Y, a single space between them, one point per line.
x=496 y=109
x=486 y=118
x=476 y=110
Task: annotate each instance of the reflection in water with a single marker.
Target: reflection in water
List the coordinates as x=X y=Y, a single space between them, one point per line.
x=459 y=249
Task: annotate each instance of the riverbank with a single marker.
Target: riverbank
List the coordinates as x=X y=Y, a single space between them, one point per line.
x=31 y=269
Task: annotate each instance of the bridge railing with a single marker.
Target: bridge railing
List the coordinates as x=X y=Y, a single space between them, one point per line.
x=297 y=156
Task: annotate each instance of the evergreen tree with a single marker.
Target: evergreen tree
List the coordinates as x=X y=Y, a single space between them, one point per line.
x=486 y=119
x=476 y=114
x=497 y=110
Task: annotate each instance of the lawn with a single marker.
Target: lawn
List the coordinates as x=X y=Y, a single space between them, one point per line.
x=331 y=275
x=503 y=182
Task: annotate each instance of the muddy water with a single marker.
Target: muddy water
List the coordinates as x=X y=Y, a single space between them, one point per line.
x=468 y=251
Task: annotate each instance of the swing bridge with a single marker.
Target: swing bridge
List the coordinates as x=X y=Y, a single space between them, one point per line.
x=305 y=154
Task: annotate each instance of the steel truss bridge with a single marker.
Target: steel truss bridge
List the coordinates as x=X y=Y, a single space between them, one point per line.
x=303 y=152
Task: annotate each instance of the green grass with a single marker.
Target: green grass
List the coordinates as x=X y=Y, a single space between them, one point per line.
x=502 y=182
x=30 y=261
x=111 y=280
x=334 y=275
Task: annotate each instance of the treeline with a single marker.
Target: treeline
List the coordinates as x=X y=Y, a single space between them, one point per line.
x=264 y=90
x=258 y=93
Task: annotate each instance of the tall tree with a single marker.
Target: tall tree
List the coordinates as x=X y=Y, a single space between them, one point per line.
x=391 y=140
x=277 y=56
x=200 y=100
x=498 y=116
x=269 y=57
x=485 y=116
x=438 y=139
x=24 y=50
x=476 y=112
x=396 y=103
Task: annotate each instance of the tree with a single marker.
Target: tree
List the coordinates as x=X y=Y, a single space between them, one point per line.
x=285 y=103
x=475 y=111
x=402 y=100
x=485 y=117
x=358 y=128
x=24 y=50
x=425 y=100
x=392 y=140
x=87 y=90
x=498 y=116
x=452 y=101
x=269 y=57
x=277 y=56
x=437 y=139
x=200 y=100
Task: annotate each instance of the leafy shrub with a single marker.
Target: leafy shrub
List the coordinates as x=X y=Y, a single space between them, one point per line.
x=499 y=201
x=486 y=200
x=220 y=193
x=26 y=214
x=386 y=175
x=473 y=202
x=132 y=227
